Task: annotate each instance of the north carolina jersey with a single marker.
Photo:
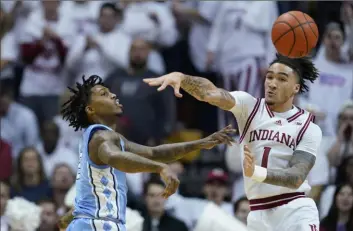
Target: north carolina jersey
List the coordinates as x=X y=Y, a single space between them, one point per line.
x=272 y=138
x=100 y=189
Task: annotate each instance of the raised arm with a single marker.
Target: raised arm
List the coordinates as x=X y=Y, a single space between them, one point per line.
x=200 y=88
x=167 y=153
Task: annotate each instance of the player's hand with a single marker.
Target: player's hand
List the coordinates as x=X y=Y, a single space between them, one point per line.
x=171 y=181
x=173 y=79
x=248 y=162
x=220 y=137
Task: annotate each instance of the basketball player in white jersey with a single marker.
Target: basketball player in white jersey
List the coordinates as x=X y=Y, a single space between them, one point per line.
x=280 y=142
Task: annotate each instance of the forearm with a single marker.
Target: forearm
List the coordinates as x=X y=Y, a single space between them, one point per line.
x=204 y=90
x=290 y=178
x=132 y=163
x=293 y=176
x=171 y=152
x=66 y=219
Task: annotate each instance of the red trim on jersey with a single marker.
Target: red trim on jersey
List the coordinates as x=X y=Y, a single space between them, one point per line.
x=304 y=128
x=270 y=113
x=296 y=115
x=274 y=201
x=250 y=118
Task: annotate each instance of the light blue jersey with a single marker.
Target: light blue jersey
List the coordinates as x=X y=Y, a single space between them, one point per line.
x=100 y=202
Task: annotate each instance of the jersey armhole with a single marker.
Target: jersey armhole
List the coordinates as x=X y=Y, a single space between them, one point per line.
x=86 y=147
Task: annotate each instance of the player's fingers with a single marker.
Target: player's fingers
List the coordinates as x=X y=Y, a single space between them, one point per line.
x=246 y=148
x=177 y=90
x=163 y=86
x=224 y=139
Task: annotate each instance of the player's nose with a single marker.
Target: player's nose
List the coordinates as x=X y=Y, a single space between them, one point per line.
x=113 y=96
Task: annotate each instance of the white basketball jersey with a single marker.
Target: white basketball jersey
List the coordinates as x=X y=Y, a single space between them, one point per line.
x=272 y=138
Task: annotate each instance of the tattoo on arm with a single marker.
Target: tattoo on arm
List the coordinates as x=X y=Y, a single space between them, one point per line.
x=66 y=219
x=109 y=153
x=165 y=153
x=292 y=177
x=204 y=90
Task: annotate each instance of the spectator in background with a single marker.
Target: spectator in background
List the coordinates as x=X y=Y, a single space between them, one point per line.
x=343 y=145
x=335 y=77
x=83 y=14
x=61 y=181
x=103 y=51
x=47 y=37
x=156 y=218
x=4 y=197
x=241 y=209
x=52 y=151
x=216 y=189
x=49 y=217
x=30 y=181
x=347 y=19
x=19 y=125
x=5 y=160
x=344 y=176
x=150 y=20
x=158 y=117
x=69 y=138
x=340 y=215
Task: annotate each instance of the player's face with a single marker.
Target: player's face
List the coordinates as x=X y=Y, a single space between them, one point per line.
x=103 y=103
x=280 y=84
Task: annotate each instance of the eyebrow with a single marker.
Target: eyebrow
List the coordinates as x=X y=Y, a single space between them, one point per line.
x=280 y=73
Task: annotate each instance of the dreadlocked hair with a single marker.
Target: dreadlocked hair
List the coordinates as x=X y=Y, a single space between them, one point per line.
x=74 y=110
x=304 y=67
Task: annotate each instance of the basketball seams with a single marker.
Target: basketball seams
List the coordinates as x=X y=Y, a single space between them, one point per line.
x=284 y=22
x=301 y=26
x=292 y=28
x=312 y=30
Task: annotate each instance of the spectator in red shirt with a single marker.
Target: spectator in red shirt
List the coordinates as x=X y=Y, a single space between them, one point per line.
x=5 y=160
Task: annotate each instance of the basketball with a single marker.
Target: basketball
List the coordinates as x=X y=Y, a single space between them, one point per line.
x=294 y=34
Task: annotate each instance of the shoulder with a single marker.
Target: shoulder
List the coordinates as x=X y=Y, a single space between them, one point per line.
x=24 y=111
x=101 y=135
x=180 y=225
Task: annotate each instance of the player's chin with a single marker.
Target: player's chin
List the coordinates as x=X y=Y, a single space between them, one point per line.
x=270 y=101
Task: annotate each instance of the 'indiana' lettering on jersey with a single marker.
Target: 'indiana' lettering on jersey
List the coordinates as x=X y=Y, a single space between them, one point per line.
x=271 y=135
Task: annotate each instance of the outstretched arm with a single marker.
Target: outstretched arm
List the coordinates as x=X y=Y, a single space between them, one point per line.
x=200 y=88
x=204 y=90
x=170 y=152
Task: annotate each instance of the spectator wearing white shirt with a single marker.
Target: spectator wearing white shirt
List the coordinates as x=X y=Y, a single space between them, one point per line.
x=83 y=14
x=102 y=52
x=44 y=46
x=69 y=138
x=335 y=77
x=52 y=151
x=19 y=126
x=150 y=20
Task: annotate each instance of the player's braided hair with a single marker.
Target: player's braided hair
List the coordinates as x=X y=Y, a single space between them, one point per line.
x=74 y=110
x=304 y=67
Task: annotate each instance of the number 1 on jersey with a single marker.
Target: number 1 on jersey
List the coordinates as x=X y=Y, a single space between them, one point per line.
x=265 y=157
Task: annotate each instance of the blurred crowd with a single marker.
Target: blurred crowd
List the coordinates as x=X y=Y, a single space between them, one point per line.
x=50 y=44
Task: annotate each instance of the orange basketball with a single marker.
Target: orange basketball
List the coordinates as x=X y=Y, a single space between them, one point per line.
x=294 y=34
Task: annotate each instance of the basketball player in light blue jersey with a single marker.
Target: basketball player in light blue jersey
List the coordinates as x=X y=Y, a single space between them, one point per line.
x=105 y=157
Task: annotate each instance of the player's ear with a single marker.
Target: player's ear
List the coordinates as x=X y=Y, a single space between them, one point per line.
x=296 y=88
x=89 y=110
